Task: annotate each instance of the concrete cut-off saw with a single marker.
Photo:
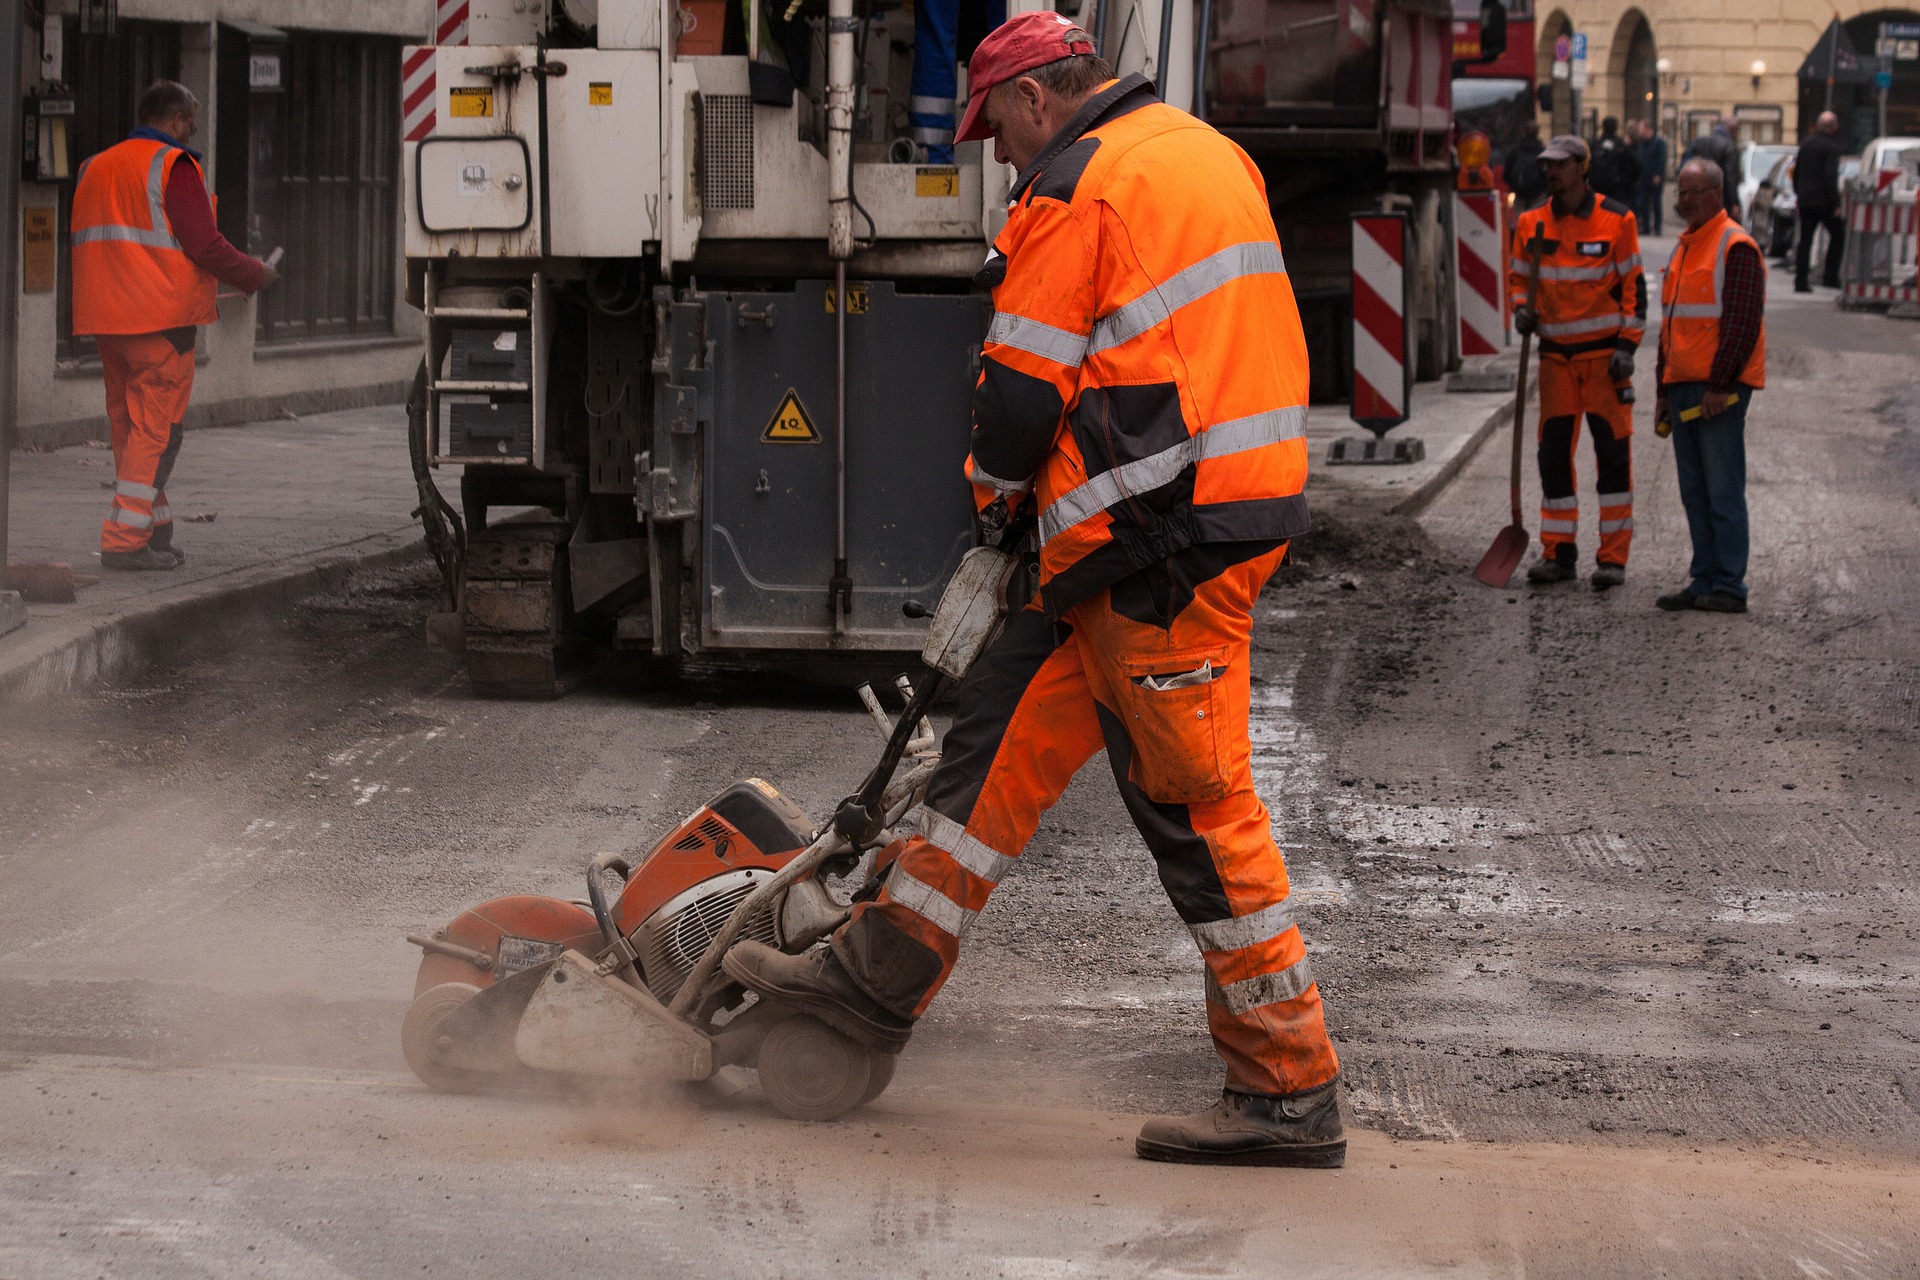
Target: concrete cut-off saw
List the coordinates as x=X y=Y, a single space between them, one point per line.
x=631 y=990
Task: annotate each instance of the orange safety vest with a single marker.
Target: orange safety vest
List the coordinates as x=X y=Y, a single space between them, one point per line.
x=1592 y=294
x=129 y=273
x=1690 y=298
x=1145 y=375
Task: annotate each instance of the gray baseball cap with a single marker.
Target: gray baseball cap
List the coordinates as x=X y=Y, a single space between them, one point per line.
x=1566 y=147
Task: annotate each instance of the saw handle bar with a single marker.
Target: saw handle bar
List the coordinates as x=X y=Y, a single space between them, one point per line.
x=825 y=845
x=619 y=951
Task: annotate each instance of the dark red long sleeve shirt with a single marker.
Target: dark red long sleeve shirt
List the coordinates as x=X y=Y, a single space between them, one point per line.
x=191 y=213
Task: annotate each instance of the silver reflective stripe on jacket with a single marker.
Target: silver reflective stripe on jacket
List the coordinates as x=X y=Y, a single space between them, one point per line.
x=157 y=238
x=133 y=519
x=975 y=855
x=1289 y=983
x=1144 y=475
x=134 y=489
x=1035 y=338
x=980 y=476
x=1704 y=310
x=928 y=903
x=1244 y=931
x=1573 y=328
x=1125 y=323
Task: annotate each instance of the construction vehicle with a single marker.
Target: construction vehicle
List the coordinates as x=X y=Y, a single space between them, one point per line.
x=701 y=328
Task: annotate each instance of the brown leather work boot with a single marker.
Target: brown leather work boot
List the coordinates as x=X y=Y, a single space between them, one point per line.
x=814 y=983
x=1295 y=1131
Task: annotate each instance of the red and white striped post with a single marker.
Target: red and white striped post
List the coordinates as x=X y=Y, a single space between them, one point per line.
x=1477 y=241
x=418 y=92
x=1382 y=376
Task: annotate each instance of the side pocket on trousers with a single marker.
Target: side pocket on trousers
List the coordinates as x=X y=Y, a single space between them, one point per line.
x=1171 y=708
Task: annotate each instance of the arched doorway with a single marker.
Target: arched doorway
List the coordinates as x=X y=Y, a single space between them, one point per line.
x=1560 y=119
x=1633 y=69
x=1903 y=99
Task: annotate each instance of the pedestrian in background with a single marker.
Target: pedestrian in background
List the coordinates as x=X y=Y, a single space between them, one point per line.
x=1616 y=170
x=1719 y=145
x=1816 y=188
x=1651 y=151
x=1590 y=311
x=146 y=256
x=1712 y=358
x=1521 y=170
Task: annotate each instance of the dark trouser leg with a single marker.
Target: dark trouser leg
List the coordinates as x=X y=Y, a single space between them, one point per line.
x=1689 y=467
x=1803 y=246
x=1836 y=247
x=1723 y=457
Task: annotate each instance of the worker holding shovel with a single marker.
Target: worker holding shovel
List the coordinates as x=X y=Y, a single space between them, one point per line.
x=1589 y=309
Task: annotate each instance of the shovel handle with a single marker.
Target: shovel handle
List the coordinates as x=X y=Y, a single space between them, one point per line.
x=1535 y=247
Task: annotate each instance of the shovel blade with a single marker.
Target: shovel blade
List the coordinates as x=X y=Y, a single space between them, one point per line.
x=1503 y=557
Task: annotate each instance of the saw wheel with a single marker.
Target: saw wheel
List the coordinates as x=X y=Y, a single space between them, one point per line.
x=809 y=1071
x=425 y=1042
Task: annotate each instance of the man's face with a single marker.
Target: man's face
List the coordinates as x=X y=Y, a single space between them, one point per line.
x=1697 y=198
x=1565 y=179
x=1017 y=113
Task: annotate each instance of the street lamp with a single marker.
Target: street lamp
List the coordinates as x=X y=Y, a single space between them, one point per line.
x=1758 y=69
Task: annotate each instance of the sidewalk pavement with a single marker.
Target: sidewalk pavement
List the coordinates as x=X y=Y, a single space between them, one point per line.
x=298 y=503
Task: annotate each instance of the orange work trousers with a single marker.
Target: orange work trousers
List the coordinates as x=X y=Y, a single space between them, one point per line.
x=1155 y=670
x=149 y=381
x=1570 y=387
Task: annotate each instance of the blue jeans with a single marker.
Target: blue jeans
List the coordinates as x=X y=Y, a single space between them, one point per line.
x=1710 y=458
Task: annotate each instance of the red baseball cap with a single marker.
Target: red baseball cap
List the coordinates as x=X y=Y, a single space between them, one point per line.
x=1019 y=44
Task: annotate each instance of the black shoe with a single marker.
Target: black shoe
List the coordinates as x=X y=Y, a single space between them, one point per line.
x=815 y=983
x=1296 y=1131
x=1721 y=602
x=1677 y=601
x=145 y=558
x=1801 y=286
x=1608 y=575
x=163 y=543
x=1547 y=571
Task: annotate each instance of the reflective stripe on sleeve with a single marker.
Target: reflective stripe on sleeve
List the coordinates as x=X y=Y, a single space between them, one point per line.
x=927 y=902
x=1289 y=983
x=1123 y=324
x=133 y=489
x=980 y=476
x=1244 y=931
x=930 y=137
x=158 y=237
x=975 y=855
x=930 y=106
x=1035 y=338
x=1147 y=474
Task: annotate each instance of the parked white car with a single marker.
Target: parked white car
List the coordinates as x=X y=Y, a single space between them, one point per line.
x=1887 y=153
x=1756 y=162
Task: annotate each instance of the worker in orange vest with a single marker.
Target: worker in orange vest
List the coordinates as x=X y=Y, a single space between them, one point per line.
x=146 y=255
x=1590 y=311
x=1713 y=357
x=1143 y=389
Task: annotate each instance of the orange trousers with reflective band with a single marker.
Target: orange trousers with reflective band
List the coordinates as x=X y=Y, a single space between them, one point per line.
x=148 y=386
x=1570 y=387
x=1162 y=684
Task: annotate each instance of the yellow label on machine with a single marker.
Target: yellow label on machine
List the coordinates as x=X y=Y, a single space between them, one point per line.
x=600 y=93
x=469 y=103
x=790 y=423
x=856 y=300
x=937 y=182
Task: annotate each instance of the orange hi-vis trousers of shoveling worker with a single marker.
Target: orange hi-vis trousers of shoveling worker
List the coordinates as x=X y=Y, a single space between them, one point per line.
x=1153 y=669
x=1570 y=387
x=149 y=381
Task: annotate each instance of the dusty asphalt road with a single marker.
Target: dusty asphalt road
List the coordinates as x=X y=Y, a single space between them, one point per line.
x=1614 y=913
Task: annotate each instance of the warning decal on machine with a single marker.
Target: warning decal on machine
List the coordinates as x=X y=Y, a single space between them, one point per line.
x=790 y=423
x=468 y=103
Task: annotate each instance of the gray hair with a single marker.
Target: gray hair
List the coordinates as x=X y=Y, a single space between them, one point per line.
x=1700 y=164
x=1075 y=76
x=165 y=99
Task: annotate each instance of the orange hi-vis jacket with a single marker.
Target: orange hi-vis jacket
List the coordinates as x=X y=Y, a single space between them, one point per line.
x=1145 y=375
x=1593 y=294
x=129 y=273
x=1691 y=291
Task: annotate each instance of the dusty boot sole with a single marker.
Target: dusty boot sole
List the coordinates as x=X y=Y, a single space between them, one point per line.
x=1320 y=1155
x=829 y=1011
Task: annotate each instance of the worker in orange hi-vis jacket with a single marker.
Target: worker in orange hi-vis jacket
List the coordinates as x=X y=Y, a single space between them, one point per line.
x=1590 y=311
x=146 y=256
x=1143 y=390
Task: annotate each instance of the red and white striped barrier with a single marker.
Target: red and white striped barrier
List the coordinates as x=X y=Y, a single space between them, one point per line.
x=1880 y=261
x=417 y=93
x=1477 y=293
x=1382 y=378
x=450 y=22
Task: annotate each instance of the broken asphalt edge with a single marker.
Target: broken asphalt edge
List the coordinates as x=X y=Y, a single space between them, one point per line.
x=88 y=648
x=1434 y=485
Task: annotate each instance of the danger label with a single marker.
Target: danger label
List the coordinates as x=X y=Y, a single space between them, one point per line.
x=791 y=424
x=600 y=93
x=467 y=104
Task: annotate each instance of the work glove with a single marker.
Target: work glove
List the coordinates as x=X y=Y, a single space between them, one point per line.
x=1620 y=368
x=1525 y=320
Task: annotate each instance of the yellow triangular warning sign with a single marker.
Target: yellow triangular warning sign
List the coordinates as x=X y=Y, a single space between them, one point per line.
x=790 y=423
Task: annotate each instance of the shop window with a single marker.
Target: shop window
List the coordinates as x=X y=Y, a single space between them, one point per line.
x=107 y=75
x=323 y=159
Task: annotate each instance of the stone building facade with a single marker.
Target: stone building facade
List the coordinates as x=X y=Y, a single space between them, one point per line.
x=299 y=123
